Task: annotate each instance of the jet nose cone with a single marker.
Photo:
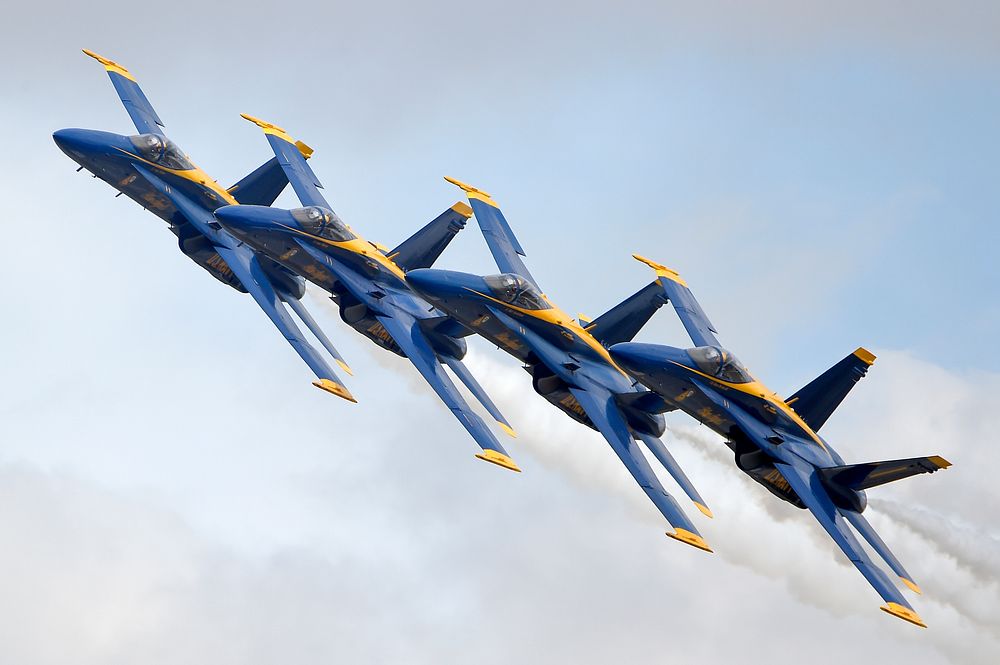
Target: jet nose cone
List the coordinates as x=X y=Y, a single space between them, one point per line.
x=426 y=281
x=242 y=218
x=70 y=140
x=438 y=285
x=631 y=356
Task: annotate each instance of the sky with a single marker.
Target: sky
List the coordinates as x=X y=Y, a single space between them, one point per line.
x=172 y=489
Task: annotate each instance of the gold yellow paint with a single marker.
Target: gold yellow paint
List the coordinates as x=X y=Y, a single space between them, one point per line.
x=758 y=389
x=463 y=209
x=692 y=539
x=473 y=192
x=195 y=175
x=271 y=128
x=357 y=245
x=557 y=317
x=335 y=388
x=507 y=429
x=498 y=458
x=911 y=585
x=939 y=461
x=865 y=355
x=904 y=613
x=661 y=270
x=704 y=510
x=344 y=366
x=110 y=65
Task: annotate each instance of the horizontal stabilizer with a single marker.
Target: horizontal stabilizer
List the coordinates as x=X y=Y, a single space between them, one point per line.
x=818 y=400
x=424 y=247
x=262 y=186
x=872 y=474
x=624 y=321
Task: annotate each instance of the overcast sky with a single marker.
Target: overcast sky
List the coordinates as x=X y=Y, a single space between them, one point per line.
x=172 y=489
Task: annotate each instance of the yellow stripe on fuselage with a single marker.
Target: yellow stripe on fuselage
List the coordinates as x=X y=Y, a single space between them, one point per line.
x=759 y=390
x=195 y=175
x=358 y=246
x=557 y=317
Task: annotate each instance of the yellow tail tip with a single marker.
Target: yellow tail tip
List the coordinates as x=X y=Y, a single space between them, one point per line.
x=865 y=355
x=692 y=539
x=493 y=457
x=508 y=429
x=271 y=128
x=911 y=585
x=704 y=510
x=904 y=613
x=939 y=461
x=660 y=269
x=472 y=192
x=463 y=209
x=335 y=388
x=109 y=64
x=344 y=366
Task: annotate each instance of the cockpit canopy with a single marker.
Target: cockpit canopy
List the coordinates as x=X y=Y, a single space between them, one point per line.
x=322 y=222
x=719 y=363
x=517 y=291
x=161 y=151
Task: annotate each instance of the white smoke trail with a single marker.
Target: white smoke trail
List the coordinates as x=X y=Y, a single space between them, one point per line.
x=752 y=529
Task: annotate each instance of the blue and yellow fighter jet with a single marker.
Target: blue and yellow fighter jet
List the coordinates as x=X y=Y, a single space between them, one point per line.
x=151 y=170
x=775 y=441
x=568 y=360
x=368 y=284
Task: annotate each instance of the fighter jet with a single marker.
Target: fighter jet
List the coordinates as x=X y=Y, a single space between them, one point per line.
x=152 y=170
x=568 y=360
x=775 y=440
x=367 y=282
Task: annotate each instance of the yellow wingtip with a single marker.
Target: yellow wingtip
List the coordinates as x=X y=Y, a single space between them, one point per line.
x=335 y=388
x=109 y=64
x=472 y=192
x=494 y=457
x=661 y=270
x=939 y=461
x=508 y=429
x=280 y=132
x=865 y=355
x=904 y=613
x=692 y=539
x=911 y=585
x=704 y=510
x=463 y=209
x=344 y=366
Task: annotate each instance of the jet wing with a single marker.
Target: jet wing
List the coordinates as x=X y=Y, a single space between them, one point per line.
x=132 y=96
x=410 y=338
x=691 y=314
x=601 y=407
x=599 y=404
x=245 y=265
x=500 y=238
x=292 y=155
x=806 y=483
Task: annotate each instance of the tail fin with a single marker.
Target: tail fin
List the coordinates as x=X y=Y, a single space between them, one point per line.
x=820 y=398
x=423 y=248
x=262 y=186
x=873 y=474
x=624 y=321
